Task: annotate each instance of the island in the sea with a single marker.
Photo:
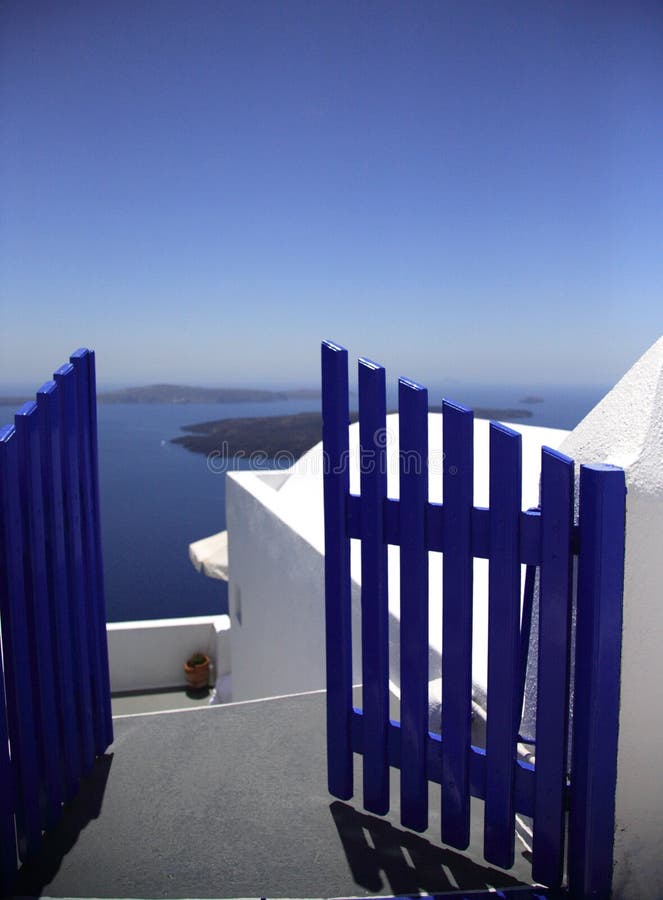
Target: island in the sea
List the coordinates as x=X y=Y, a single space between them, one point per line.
x=275 y=436
x=270 y=436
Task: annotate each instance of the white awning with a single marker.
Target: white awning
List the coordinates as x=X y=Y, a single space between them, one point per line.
x=210 y=555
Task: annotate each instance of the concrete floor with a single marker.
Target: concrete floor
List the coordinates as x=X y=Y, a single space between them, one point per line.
x=231 y=801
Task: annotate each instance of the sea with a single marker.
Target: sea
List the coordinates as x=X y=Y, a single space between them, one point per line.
x=158 y=497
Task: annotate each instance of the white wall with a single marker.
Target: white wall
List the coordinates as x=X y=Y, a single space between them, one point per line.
x=150 y=655
x=275 y=596
x=626 y=429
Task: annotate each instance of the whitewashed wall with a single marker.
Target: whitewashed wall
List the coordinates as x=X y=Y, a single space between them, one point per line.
x=626 y=429
x=275 y=595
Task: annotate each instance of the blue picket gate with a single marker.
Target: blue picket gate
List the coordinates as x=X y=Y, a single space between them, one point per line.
x=55 y=713
x=562 y=793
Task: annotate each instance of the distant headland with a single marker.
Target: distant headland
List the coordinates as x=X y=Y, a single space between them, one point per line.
x=182 y=393
x=269 y=435
x=289 y=434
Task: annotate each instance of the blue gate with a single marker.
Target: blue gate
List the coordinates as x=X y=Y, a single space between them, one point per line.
x=55 y=713
x=561 y=788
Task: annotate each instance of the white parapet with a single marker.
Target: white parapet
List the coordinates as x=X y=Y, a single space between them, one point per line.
x=626 y=429
x=150 y=655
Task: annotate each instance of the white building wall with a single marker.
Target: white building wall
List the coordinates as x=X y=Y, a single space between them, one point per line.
x=275 y=596
x=626 y=429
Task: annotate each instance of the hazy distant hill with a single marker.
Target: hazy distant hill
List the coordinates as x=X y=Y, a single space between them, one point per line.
x=15 y=400
x=177 y=393
x=293 y=434
x=270 y=435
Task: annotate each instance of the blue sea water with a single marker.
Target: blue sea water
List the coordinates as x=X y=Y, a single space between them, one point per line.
x=157 y=497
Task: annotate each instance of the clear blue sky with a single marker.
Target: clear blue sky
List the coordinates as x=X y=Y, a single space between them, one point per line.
x=201 y=190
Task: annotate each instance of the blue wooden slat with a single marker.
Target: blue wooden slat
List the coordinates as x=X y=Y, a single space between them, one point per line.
x=48 y=405
x=94 y=634
x=17 y=646
x=458 y=476
x=413 y=467
x=597 y=680
x=101 y=593
x=481 y=532
x=435 y=514
x=65 y=379
x=39 y=613
x=503 y=644
x=8 y=852
x=530 y=537
x=336 y=481
x=374 y=588
x=557 y=483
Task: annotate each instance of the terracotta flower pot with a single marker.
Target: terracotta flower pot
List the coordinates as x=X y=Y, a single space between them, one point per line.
x=197 y=675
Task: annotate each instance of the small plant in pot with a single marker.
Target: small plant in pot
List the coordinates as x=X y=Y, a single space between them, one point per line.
x=196 y=671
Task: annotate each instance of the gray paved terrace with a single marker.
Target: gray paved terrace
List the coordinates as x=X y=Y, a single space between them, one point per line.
x=231 y=801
